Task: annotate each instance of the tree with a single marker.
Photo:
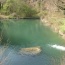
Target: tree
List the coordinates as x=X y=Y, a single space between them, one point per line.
x=9 y=7
x=20 y=7
x=0 y=5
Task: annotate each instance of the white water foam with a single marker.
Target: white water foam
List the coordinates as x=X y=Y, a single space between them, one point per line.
x=59 y=47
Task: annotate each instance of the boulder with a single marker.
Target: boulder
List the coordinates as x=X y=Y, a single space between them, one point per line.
x=30 y=50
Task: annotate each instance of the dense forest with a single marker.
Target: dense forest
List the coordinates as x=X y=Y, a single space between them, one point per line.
x=20 y=8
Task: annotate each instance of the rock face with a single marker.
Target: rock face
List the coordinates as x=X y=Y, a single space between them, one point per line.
x=30 y=50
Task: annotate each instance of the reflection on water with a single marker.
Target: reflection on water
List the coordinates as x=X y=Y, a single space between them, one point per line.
x=19 y=34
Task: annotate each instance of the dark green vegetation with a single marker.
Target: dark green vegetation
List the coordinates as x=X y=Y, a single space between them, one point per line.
x=32 y=8
x=18 y=8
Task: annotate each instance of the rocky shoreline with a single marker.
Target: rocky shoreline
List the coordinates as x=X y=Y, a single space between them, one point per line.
x=53 y=27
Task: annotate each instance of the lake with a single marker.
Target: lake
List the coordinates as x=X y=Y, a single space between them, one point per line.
x=24 y=33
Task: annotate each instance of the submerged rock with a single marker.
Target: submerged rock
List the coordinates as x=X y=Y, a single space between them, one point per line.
x=30 y=50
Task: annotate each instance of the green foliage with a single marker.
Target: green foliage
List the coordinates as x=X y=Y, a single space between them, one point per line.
x=0 y=5
x=60 y=22
x=19 y=7
x=26 y=11
x=9 y=7
x=43 y=13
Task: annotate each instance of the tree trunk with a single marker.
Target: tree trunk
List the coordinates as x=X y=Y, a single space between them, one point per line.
x=0 y=5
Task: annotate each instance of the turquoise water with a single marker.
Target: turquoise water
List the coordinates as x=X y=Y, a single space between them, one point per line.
x=25 y=33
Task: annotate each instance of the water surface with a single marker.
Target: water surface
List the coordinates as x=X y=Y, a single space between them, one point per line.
x=29 y=33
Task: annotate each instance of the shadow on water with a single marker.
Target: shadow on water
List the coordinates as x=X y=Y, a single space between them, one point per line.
x=14 y=33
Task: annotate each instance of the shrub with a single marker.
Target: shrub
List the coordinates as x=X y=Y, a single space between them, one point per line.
x=19 y=7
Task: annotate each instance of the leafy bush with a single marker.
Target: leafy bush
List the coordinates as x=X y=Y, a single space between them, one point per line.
x=19 y=7
x=8 y=7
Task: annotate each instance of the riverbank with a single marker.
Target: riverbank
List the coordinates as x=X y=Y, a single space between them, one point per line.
x=57 y=25
x=12 y=17
x=4 y=17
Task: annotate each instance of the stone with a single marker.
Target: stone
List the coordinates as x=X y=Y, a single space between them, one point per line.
x=30 y=50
